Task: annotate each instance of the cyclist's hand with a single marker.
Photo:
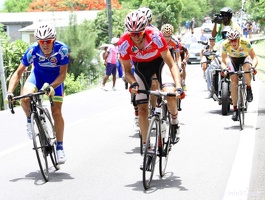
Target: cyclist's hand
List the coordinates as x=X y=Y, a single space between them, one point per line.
x=9 y=95
x=224 y=72
x=134 y=88
x=49 y=90
x=254 y=71
x=181 y=93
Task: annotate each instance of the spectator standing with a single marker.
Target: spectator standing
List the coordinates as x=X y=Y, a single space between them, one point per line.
x=110 y=58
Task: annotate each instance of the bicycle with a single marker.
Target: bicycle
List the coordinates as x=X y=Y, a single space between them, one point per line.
x=43 y=133
x=242 y=104
x=220 y=85
x=159 y=140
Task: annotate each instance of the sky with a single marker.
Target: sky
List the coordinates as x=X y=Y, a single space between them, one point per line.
x=2 y=4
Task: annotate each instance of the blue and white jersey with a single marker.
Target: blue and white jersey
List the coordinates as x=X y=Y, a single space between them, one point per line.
x=43 y=65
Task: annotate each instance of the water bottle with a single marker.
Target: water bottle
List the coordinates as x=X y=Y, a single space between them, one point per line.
x=163 y=130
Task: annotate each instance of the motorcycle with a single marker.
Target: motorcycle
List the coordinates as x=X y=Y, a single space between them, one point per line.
x=220 y=86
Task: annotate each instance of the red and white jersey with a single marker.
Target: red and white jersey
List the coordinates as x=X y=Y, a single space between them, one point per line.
x=154 y=44
x=174 y=44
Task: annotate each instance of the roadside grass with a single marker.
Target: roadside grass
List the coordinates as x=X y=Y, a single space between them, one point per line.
x=260 y=52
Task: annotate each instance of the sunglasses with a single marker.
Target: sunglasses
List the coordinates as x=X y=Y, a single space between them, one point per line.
x=138 y=34
x=231 y=41
x=42 y=42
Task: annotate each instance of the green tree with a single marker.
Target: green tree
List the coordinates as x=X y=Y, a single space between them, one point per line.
x=256 y=9
x=81 y=42
x=100 y=25
x=164 y=11
x=16 y=6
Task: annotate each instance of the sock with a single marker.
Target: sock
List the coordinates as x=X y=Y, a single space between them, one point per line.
x=235 y=108
x=28 y=120
x=59 y=146
x=248 y=87
x=174 y=119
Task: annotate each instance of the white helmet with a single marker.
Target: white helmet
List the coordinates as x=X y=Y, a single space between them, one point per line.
x=233 y=34
x=147 y=12
x=45 y=31
x=135 y=21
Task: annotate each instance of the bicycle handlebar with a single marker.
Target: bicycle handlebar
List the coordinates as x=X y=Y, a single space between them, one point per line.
x=242 y=72
x=157 y=93
x=30 y=95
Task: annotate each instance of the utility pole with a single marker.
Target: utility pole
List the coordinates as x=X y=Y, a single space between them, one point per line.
x=3 y=78
x=109 y=15
x=241 y=15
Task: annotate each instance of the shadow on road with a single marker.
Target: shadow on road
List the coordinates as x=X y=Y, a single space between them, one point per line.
x=168 y=181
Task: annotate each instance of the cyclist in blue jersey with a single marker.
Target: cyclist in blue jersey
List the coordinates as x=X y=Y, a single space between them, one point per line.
x=49 y=59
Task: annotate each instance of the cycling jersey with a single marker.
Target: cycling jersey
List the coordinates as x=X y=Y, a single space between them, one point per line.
x=242 y=51
x=173 y=44
x=46 y=70
x=154 y=44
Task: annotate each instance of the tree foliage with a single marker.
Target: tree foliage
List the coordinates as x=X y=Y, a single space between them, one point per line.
x=16 y=6
x=81 y=42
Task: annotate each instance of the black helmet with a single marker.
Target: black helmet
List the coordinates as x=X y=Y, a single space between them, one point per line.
x=226 y=10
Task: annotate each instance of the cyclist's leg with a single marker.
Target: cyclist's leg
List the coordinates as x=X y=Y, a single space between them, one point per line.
x=29 y=87
x=155 y=86
x=168 y=85
x=234 y=87
x=247 y=67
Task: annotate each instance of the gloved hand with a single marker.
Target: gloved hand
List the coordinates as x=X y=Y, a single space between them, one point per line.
x=224 y=72
x=9 y=95
x=134 y=85
x=49 y=90
x=254 y=71
x=181 y=92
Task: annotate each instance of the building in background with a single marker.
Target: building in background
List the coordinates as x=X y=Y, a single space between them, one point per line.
x=22 y=25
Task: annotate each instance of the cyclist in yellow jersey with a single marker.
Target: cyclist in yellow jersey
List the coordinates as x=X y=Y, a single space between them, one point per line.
x=224 y=19
x=238 y=51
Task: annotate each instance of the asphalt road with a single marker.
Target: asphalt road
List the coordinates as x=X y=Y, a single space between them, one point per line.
x=214 y=160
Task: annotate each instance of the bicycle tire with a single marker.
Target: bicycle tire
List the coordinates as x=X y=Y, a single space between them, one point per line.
x=150 y=153
x=241 y=107
x=141 y=142
x=164 y=148
x=39 y=143
x=225 y=98
x=51 y=137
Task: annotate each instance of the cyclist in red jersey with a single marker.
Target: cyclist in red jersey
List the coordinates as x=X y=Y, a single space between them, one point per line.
x=148 y=49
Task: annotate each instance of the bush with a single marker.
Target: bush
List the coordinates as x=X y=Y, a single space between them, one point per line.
x=72 y=86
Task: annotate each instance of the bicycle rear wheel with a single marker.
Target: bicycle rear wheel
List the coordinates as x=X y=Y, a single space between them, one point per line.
x=51 y=137
x=40 y=143
x=150 y=152
x=164 y=146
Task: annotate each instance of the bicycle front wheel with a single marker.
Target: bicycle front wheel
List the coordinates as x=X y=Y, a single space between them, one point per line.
x=51 y=137
x=40 y=143
x=150 y=152
x=164 y=146
x=241 y=108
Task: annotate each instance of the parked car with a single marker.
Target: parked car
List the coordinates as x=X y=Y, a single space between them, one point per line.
x=207 y=26
x=194 y=51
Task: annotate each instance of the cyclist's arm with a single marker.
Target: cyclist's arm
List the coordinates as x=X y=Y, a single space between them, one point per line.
x=16 y=77
x=186 y=54
x=60 y=79
x=128 y=71
x=214 y=32
x=178 y=58
x=172 y=66
x=224 y=59
x=254 y=58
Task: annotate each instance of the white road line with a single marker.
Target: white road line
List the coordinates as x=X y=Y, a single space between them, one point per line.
x=238 y=182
